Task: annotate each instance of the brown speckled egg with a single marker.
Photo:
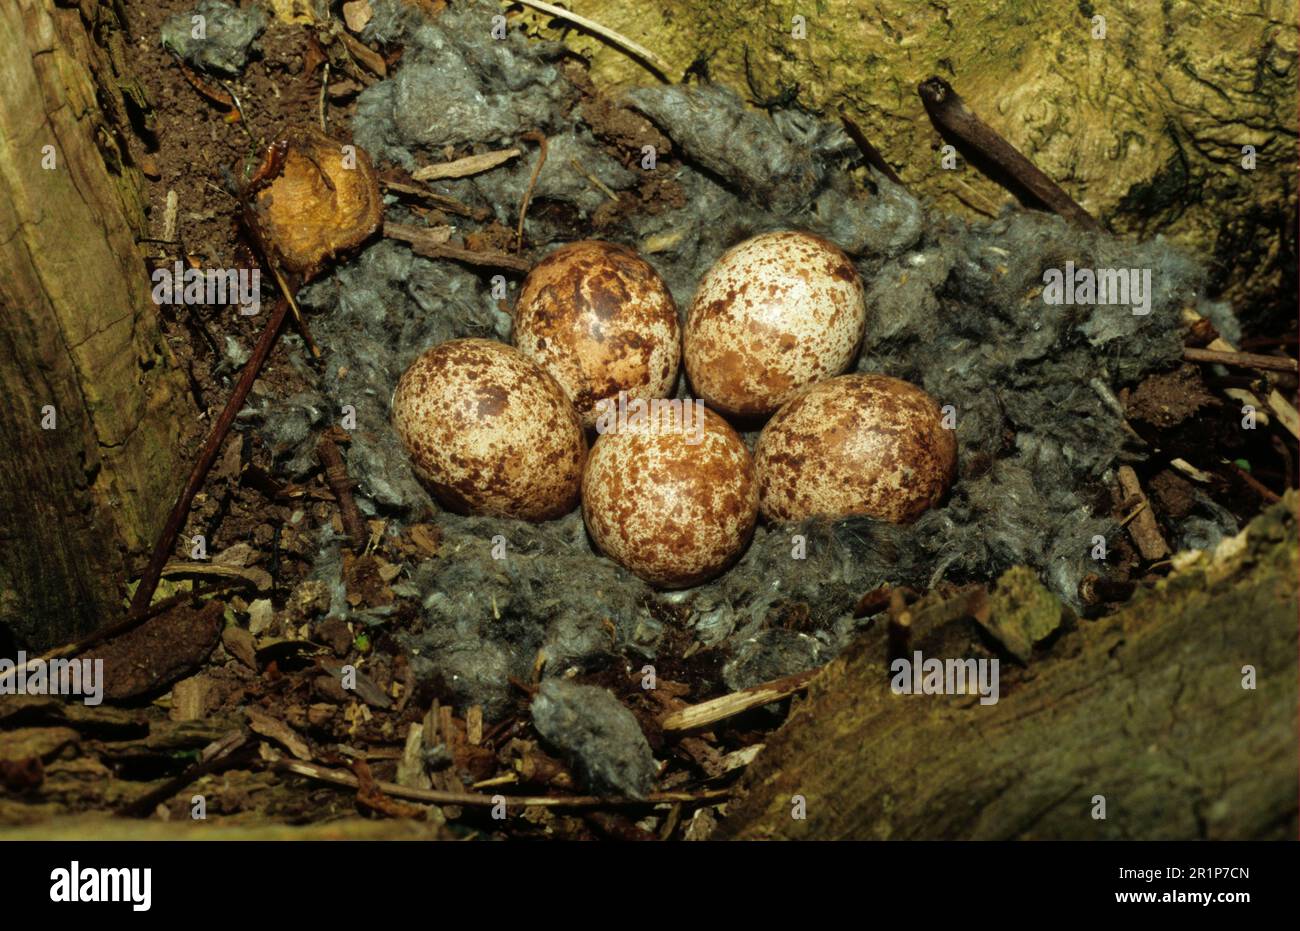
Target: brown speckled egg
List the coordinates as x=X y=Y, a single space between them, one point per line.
x=601 y=320
x=489 y=432
x=673 y=512
x=775 y=313
x=865 y=445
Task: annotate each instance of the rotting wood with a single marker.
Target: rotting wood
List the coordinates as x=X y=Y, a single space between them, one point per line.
x=80 y=343
x=1147 y=707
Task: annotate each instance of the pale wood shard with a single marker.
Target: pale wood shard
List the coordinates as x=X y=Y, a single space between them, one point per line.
x=262 y=723
x=1286 y=413
x=464 y=167
x=718 y=709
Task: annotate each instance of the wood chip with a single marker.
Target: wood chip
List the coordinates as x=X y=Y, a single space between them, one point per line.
x=464 y=167
x=1287 y=414
x=275 y=729
x=709 y=712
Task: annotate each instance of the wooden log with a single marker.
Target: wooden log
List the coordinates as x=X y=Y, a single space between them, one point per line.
x=93 y=401
x=1145 y=709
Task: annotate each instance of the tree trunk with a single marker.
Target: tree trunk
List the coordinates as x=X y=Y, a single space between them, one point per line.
x=92 y=396
x=1146 y=709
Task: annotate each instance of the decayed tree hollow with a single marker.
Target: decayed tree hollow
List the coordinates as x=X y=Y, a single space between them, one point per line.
x=1145 y=708
x=79 y=337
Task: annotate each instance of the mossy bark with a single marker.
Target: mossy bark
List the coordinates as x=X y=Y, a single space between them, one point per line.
x=93 y=401
x=1148 y=709
x=1144 y=127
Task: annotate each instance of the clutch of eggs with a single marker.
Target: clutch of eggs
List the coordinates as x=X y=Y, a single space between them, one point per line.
x=489 y=432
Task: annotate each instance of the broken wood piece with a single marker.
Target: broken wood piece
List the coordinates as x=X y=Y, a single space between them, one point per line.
x=258 y=578
x=952 y=117
x=1286 y=413
x=422 y=243
x=464 y=167
x=1143 y=529
x=1195 y=474
x=718 y=709
x=273 y=728
x=1247 y=360
x=1268 y=494
x=336 y=476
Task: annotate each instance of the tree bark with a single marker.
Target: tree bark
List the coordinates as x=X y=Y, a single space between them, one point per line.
x=79 y=336
x=1146 y=709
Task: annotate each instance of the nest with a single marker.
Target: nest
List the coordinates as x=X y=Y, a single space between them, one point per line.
x=954 y=307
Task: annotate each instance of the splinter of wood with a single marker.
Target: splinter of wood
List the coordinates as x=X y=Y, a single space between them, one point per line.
x=336 y=476
x=957 y=121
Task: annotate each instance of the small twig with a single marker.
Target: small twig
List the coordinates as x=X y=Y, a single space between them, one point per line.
x=596 y=182
x=336 y=475
x=207 y=455
x=439 y=797
x=709 y=712
x=657 y=64
x=1255 y=484
x=1244 y=360
x=1144 y=530
x=441 y=201
x=540 y=139
x=952 y=117
x=467 y=166
x=869 y=151
x=421 y=243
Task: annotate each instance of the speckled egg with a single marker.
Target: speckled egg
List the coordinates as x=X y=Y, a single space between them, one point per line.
x=672 y=511
x=775 y=313
x=601 y=320
x=865 y=445
x=489 y=432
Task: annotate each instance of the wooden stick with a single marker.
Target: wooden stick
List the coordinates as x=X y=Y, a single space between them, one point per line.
x=212 y=756
x=336 y=476
x=208 y=455
x=1268 y=494
x=1144 y=530
x=726 y=706
x=540 y=139
x=869 y=151
x=439 y=797
x=952 y=117
x=647 y=57
x=1244 y=360
x=420 y=242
